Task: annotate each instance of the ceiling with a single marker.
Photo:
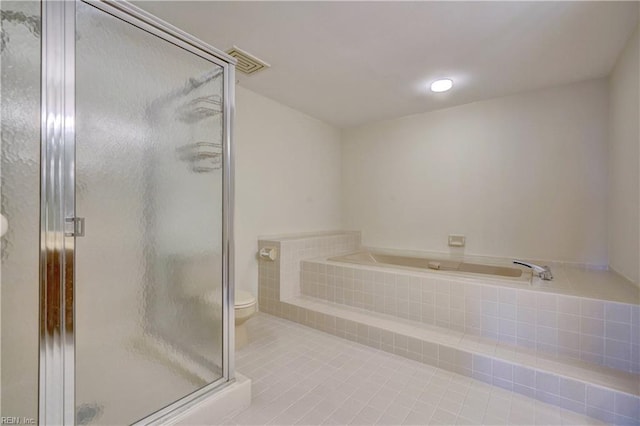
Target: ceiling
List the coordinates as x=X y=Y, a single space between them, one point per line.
x=349 y=63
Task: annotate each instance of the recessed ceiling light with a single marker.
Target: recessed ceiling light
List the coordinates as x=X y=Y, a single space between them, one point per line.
x=441 y=85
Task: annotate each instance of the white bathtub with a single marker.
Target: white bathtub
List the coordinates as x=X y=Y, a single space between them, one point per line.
x=447 y=266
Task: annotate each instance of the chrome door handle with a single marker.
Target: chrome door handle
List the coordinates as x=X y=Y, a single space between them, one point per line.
x=74 y=227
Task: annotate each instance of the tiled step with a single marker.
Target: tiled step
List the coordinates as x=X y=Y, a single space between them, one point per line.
x=604 y=393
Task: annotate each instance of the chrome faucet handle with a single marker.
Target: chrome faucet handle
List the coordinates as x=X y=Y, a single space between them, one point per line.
x=546 y=274
x=543 y=272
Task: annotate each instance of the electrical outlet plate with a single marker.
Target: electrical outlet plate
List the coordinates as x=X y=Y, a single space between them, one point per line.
x=456 y=240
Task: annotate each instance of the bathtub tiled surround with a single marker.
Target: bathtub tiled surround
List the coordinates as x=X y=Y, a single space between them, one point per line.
x=574 y=352
x=601 y=332
x=280 y=280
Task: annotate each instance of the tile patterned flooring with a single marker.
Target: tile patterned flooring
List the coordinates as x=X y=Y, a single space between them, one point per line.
x=304 y=376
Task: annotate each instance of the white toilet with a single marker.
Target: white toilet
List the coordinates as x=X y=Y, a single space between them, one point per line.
x=245 y=307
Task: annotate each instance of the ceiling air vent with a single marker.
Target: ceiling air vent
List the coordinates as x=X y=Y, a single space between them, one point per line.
x=247 y=63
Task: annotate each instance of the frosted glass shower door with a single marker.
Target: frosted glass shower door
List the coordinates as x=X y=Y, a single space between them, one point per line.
x=20 y=39
x=149 y=133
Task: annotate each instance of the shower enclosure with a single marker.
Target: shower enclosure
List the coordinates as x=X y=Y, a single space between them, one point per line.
x=116 y=287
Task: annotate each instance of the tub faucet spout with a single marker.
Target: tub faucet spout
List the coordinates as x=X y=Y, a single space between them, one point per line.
x=543 y=272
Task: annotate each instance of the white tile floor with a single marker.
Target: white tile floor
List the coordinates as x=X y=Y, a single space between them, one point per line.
x=303 y=376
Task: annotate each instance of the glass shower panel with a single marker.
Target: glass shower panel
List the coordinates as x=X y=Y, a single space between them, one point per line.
x=20 y=190
x=149 y=185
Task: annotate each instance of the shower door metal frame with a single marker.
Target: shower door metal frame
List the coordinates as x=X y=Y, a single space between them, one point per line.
x=57 y=205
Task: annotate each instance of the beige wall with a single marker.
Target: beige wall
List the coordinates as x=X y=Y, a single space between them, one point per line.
x=521 y=176
x=287 y=177
x=624 y=163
